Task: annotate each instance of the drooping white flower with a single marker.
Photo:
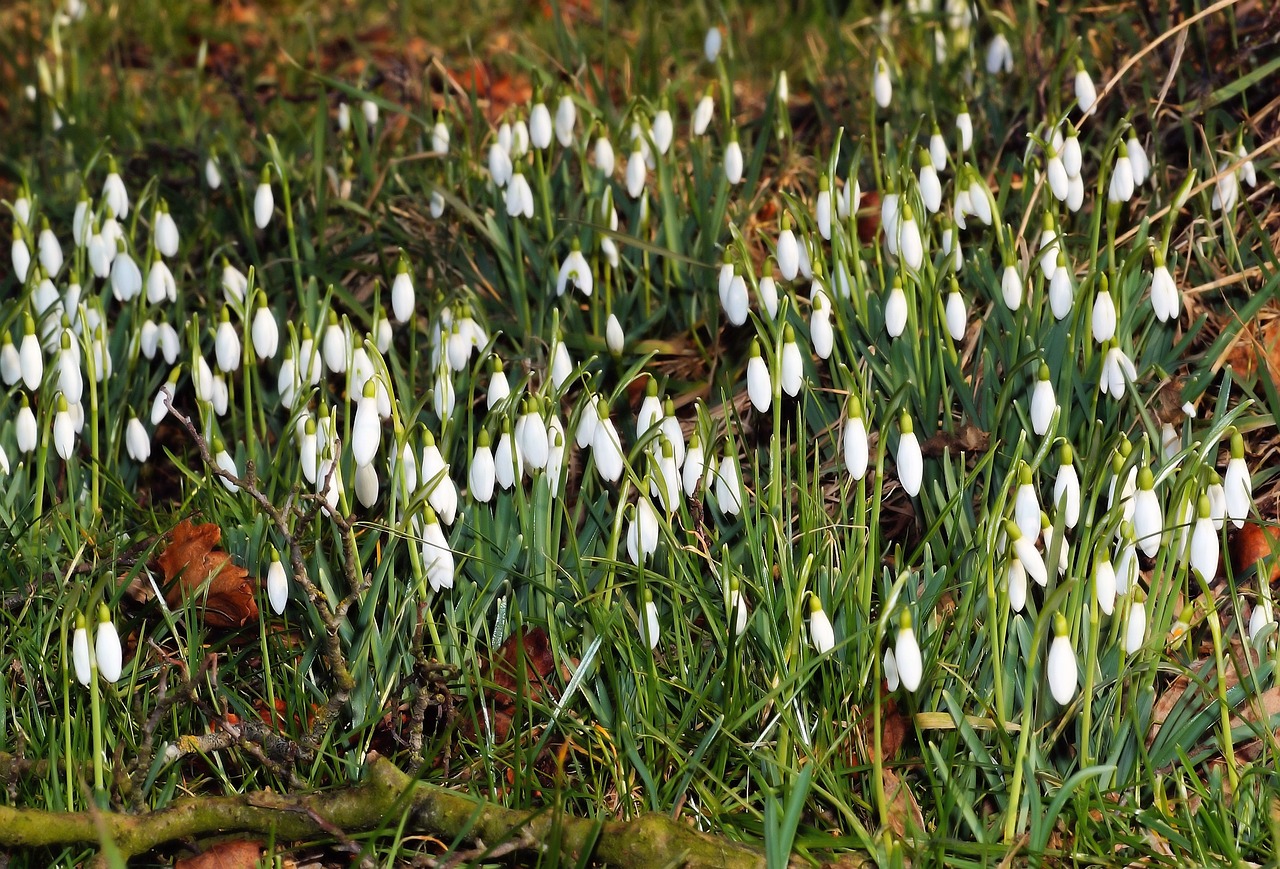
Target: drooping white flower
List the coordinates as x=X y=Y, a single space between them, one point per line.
x=1025 y=550
x=606 y=446
x=1062 y=668
x=49 y=251
x=107 y=651
x=507 y=459
x=576 y=269
x=937 y=148
x=694 y=471
x=788 y=250
x=437 y=556
x=642 y=531
x=366 y=429
x=711 y=44
x=264 y=331
x=1148 y=516
x=906 y=653
x=264 y=202
x=482 y=473
x=1204 y=542
x=637 y=172
x=1138 y=159
x=126 y=277
x=791 y=364
x=519 y=196
x=1237 y=483
x=759 y=384
x=703 y=113
x=853 y=440
x=821 y=635
x=1117 y=370
x=1121 y=188
x=1164 y=292
x=733 y=158
x=999 y=55
x=540 y=126
x=114 y=192
x=909 y=459
x=895 y=310
x=1086 y=93
x=63 y=429
x=80 y=651
x=500 y=167
x=25 y=430
x=881 y=86
x=1015 y=580
x=614 y=338
x=649 y=622
x=137 y=441
x=1135 y=629
x=1104 y=315
x=964 y=125
x=222 y=458
x=728 y=476
x=663 y=129
x=739 y=612
x=277 y=584
x=566 y=120
x=957 y=314
x=736 y=301
x=1043 y=402
x=1026 y=503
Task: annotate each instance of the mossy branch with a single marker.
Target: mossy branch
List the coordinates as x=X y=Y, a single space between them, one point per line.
x=385 y=795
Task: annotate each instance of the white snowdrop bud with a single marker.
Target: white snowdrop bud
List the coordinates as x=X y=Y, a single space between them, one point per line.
x=964 y=125
x=481 y=474
x=788 y=251
x=890 y=212
x=1043 y=402
x=694 y=472
x=440 y=138
x=636 y=172
x=403 y=299
x=25 y=430
x=821 y=333
x=791 y=365
x=1026 y=504
x=277 y=584
x=107 y=651
x=80 y=652
x=614 y=338
x=1062 y=669
x=226 y=345
x=264 y=330
x=48 y=249
x=1204 y=542
x=519 y=197
x=1104 y=584
x=853 y=441
x=906 y=652
x=1237 y=484
x=1135 y=629
x=703 y=113
x=114 y=192
x=642 y=532
x=442 y=494
x=335 y=345
x=711 y=44
x=822 y=207
x=160 y=284
x=1121 y=188
x=70 y=379
x=606 y=446
x=212 y=173
x=540 y=127
x=1164 y=292
x=137 y=441
x=531 y=435
x=881 y=86
x=1061 y=293
x=937 y=149
x=159 y=407
x=1059 y=181
x=821 y=635
x=650 y=413
x=1025 y=549
x=728 y=476
x=566 y=120
x=498 y=389
x=999 y=55
x=64 y=435
x=126 y=277
x=264 y=202
x=82 y=219
x=739 y=612
x=222 y=458
x=165 y=231
x=759 y=384
x=1015 y=580
x=957 y=314
x=500 y=167
x=891 y=678
x=1104 y=315
x=736 y=301
x=733 y=158
x=437 y=556
x=30 y=356
x=895 y=310
x=910 y=461
x=1066 y=488
x=10 y=359
x=767 y=289
x=671 y=430
x=1138 y=159
x=1148 y=517
x=604 y=156
x=1086 y=93
x=650 y=625
x=366 y=429
x=1217 y=500
x=930 y=184
x=1075 y=193
x=909 y=242
x=663 y=129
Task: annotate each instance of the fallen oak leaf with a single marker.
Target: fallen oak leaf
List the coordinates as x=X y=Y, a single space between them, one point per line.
x=502 y=685
x=194 y=567
x=234 y=854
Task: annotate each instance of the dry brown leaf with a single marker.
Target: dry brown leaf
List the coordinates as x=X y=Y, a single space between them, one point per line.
x=236 y=854
x=904 y=811
x=1251 y=544
x=194 y=567
x=501 y=683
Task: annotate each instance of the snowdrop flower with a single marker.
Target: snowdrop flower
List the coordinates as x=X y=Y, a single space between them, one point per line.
x=80 y=652
x=614 y=338
x=733 y=158
x=1025 y=550
x=25 y=430
x=137 y=441
x=791 y=365
x=1164 y=292
x=736 y=301
x=650 y=413
x=759 y=384
x=30 y=357
x=1135 y=629
x=767 y=290
x=1043 y=402
x=519 y=197
x=498 y=389
x=1056 y=171
x=507 y=459
x=1026 y=503
x=849 y=199
x=48 y=249
x=159 y=407
x=636 y=172
x=126 y=277
x=264 y=202
x=1237 y=484
x=937 y=149
x=277 y=584
x=1104 y=314
x=403 y=298
x=437 y=556
x=663 y=129
x=500 y=167
x=694 y=469
x=107 y=649
x=226 y=346
x=957 y=314
x=703 y=113
x=482 y=473
x=575 y=269
x=1138 y=159
x=442 y=494
x=223 y=460
x=566 y=120
x=1204 y=542
x=711 y=44
x=821 y=635
x=70 y=380
x=909 y=243
x=729 y=482
x=821 y=334
x=114 y=192
x=788 y=250
x=604 y=154
x=1049 y=246
x=366 y=429
x=436 y=204
x=649 y=622
x=531 y=435
x=1061 y=293
x=606 y=446
x=964 y=124
x=63 y=429
x=895 y=310
x=1086 y=93
x=160 y=284
x=881 y=86
x=642 y=531
x=853 y=441
x=1117 y=370
x=1066 y=487
x=906 y=654
x=540 y=127
x=1148 y=517
x=264 y=332
x=1262 y=615
x=980 y=201
x=822 y=207
x=370 y=111
x=671 y=430
x=930 y=184
x=890 y=214
x=1217 y=499
x=1011 y=287
x=910 y=461
x=999 y=55
x=738 y=611
x=1062 y=669
x=1015 y=581
x=1121 y=189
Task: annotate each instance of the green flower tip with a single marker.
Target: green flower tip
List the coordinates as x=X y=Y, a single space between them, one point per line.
x=81 y=624
x=815 y=605
x=855 y=407
x=104 y=614
x=62 y=403
x=370 y=389
x=755 y=347
x=667 y=451
x=602 y=410
x=275 y=553
x=904 y=621
x=1065 y=454
x=1237 y=444
x=1146 y=479
x=483 y=438
x=1044 y=371
x=824 y=183
x=1202 y=507
x=429 y=515
x=904 y=423
x=1059 y=625
x=651 y=388
x=648 y=596
x=265 y=177
x=786 y=220
x=788 y=334
x=1011 y=529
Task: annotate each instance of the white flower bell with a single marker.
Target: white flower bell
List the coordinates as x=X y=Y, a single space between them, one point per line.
x=107 y=651
x=264 y=202
x=909 y=459
x=821 y=635
x=906 y=653
x=277 y=584
x=1062 y=669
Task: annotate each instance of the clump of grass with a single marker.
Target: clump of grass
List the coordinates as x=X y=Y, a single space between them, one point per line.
x=807 y=549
